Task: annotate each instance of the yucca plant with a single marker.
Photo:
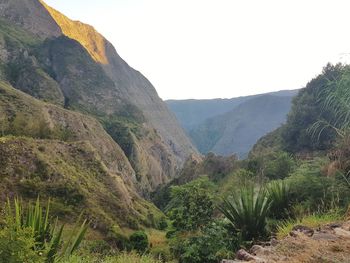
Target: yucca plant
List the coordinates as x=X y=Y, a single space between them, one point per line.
x=47 y=237
x=279 y=199
x=247 y=211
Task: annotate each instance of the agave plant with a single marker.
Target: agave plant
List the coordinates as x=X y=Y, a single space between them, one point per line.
x=46 y=236
x=279 y=198
x=247 y=211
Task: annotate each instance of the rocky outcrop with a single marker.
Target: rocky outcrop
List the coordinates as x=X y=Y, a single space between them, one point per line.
x=30 y=15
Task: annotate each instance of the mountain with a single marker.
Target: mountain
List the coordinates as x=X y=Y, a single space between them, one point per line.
x=299 y=135
x=71 y=64
x=193 y=112
x=228 y=126
x=78 y=124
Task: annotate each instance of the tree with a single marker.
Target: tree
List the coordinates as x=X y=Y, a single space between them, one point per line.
x=191 y=206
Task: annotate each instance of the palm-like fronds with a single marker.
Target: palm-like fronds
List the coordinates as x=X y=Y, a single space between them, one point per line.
x=247 y=211
x=335 y=99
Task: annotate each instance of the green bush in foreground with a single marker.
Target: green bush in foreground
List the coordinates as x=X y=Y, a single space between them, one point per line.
x=29 y=232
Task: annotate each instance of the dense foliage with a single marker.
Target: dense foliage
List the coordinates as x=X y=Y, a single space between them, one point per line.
x=308 y=109
x=37 y=238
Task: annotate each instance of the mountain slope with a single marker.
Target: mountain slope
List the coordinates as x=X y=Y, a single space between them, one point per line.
x=238 y=130
x=130 y=84
x=69 y=64
x=68 y=157
x=192 y=113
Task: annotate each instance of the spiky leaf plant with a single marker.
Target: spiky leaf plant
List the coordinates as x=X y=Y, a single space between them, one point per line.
x=247 y=211
x=279 y=198
x=45 y=234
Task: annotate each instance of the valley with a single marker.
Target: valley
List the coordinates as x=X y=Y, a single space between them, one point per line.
x=96 y=167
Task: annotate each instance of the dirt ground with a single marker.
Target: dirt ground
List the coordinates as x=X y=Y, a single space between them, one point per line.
x=328 y=244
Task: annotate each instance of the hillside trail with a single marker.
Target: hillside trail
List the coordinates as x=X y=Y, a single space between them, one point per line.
x=327 y=244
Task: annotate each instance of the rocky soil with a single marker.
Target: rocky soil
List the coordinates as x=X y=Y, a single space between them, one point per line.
x=330 y=243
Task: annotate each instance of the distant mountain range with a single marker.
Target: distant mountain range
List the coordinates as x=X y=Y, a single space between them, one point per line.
x=228 y=126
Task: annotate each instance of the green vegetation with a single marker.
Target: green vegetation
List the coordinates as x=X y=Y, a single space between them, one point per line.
x=191 y=206
x=312 y=221
x=298 y=174
x=139 y=241
x=247 y=211
x=33 y=230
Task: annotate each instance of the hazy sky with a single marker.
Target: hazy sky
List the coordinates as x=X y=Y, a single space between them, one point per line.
x=220 y=48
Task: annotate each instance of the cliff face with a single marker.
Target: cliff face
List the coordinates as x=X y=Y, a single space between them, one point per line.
x=30 y=15
x=73 y=66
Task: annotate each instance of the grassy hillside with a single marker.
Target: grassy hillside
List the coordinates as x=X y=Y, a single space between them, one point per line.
x=52 y=152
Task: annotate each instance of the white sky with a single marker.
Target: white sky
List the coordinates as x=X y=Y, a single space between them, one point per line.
x=220 y=48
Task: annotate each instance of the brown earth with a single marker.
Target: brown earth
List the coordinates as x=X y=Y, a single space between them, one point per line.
x=330 y=243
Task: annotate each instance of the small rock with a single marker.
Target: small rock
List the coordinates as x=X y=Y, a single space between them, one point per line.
x=259 y=250
x=342 y=232
x=302 y=229
x=230 y=261
x=244 y=255
x=274 y=242
x=334 y=225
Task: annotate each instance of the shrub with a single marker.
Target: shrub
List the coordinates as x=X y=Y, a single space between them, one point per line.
x=16 y=246
x=247 y=211
x=139 y=241
x=42 y=230
x=191 y=206
x=280 y=167
x=163 y=224
x=214 y=243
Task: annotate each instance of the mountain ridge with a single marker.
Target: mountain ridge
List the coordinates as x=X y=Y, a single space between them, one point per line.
x=87 y=75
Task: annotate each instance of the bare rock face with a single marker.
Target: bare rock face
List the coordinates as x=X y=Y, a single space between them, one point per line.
x=31 y=15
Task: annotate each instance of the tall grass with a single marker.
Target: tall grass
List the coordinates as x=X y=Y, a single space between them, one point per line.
x=312 y=221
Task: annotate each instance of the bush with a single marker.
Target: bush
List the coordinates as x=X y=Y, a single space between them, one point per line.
x=280 y=166
x=214 y=243
x=139 y=241
x=16 y=246
x=316 y=192
x=43 y=232
x=163 y=224
x=191 y=206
